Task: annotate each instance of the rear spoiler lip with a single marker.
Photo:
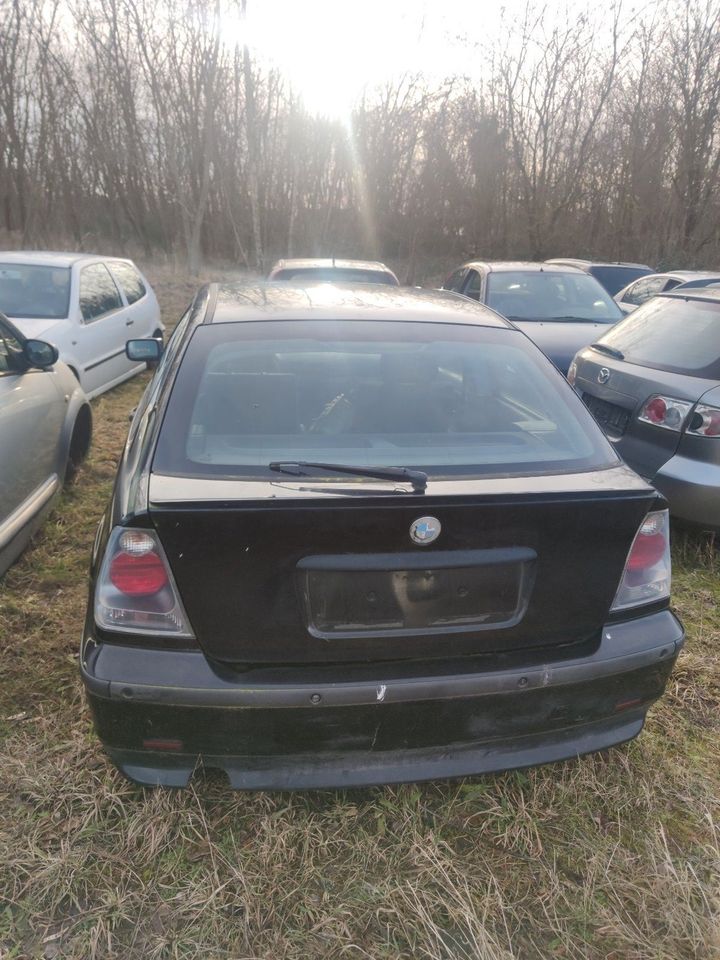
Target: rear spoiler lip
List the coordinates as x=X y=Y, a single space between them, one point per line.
x=183 y=492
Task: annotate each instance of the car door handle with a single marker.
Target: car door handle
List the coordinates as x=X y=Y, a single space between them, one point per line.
x=129 y=323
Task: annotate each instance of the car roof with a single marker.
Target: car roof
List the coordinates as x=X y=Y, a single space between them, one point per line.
x=582 y=264
x=269 y=300
x=711 y=294
x=329 y=263
x=687 y=274
x=50 y=258
x=529 y=266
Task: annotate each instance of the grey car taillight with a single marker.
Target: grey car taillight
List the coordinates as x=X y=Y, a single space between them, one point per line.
x=705 y=421
x=646 y=578
x=665 y=412
x=136 y=591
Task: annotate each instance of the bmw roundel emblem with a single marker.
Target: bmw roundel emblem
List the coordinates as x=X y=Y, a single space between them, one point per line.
x=425 y=530
x=603 y=375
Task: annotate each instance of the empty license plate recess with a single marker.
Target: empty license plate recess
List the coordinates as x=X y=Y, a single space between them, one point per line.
x=347 y=596
x=610 y=416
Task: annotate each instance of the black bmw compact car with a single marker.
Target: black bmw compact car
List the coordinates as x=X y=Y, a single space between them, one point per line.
x=368 y=535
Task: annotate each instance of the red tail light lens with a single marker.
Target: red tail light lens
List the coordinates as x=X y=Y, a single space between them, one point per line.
x=138 y=576
x=646 y=578
x=665 y=412
x=649 y=545
x=705 y=421
x=135 y=590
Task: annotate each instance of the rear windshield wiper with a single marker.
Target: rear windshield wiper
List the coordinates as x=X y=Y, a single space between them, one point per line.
x=297 y=468
x=610 y=351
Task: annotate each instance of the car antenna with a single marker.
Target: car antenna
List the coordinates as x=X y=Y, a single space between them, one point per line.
x=333 y=260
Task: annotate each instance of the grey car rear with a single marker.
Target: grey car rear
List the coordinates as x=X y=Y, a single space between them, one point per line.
x=653 y=384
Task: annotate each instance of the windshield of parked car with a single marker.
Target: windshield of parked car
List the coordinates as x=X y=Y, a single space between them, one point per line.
x=615 y=278
x=448 y=399
x=550 y=295
x=27 y=290
x=673 y=334
x=335 y=275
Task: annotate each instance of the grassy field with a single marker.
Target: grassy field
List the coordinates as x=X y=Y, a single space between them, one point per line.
x=612 y=856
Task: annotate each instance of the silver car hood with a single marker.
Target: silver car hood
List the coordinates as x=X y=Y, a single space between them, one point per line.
x=34 y=328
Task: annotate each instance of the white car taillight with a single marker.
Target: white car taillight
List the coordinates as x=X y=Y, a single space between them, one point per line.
x=705 y=421
x=665 y=412
x=135 y=590
x=646 y=577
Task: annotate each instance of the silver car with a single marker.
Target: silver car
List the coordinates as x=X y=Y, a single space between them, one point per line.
x=45 y=431
x=653 y=384
x=640 y=291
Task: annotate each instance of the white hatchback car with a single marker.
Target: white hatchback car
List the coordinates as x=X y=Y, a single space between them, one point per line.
x=87 y=306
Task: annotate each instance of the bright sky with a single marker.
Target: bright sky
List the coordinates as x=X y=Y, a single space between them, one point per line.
x=331 y=49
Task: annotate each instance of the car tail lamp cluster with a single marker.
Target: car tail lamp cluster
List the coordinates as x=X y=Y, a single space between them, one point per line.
x=705 y=421
x=646 y=578
x=673 y=415
x=135 y=590
x=665 y=412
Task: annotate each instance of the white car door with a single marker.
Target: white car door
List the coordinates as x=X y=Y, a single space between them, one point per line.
x=102 y=328
x=143 y=307
x=32 y=412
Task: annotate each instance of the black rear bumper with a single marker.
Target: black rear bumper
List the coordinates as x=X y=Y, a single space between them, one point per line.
x=159 y=713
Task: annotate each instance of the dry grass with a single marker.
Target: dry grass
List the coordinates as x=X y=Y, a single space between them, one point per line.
x=612 y=856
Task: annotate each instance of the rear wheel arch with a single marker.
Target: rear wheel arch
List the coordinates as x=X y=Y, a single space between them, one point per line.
x=79 y=442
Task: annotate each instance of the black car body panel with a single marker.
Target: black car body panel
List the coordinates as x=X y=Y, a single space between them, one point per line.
x=613 y=276
x=223 y=554
x=325 y=647
x=268 y=730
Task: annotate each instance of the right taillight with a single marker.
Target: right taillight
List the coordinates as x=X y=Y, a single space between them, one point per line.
x=705 y=421
x=646 y=578
x=135 y=590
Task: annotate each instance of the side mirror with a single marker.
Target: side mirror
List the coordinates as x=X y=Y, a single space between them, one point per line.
x=37 y=353
x=148 y=351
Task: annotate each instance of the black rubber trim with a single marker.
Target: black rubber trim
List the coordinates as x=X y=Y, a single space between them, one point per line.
x=99 y=363
x=425 y=560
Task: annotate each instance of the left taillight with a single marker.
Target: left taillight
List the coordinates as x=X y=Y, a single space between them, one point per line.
x=646 y=578
x=665 y=412
x=135 y=590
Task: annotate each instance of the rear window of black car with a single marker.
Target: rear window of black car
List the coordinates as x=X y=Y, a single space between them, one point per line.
x=335 y=275
x=673 y=334
x=455 y=400
x=615 y=278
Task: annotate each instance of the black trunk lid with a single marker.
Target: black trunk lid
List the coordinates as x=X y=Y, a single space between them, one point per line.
x=302 y=575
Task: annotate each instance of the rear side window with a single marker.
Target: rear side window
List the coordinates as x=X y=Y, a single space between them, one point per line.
x=680 y=336
x=454 y=281
x=455 y=400
x=98 y=292
x=130 y=280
